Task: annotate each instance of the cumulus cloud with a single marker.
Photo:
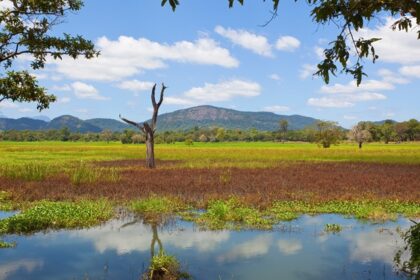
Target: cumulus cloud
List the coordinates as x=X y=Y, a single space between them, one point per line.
x=289 y=247
x=224 y=91
x=63 y=100
x=307 y=70
x=329 y=102
x=135 y=85
x=256 y=43
x=61 y=88
x=287 y=43
x=6 y=4
x=128 y=56
x=9 y=268
x=256 y=247
x=6 y=104
x=411 y=71
x=86 y=91
x=395 y=46
x=276 y=109
x=274 y=77
x=351 y=87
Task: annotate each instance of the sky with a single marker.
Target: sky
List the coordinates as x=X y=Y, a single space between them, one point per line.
x=208 y=54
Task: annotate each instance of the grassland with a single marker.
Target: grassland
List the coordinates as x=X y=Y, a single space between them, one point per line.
x=251 y=184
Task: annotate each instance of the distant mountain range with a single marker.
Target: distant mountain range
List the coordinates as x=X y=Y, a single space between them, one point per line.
x=201 y=116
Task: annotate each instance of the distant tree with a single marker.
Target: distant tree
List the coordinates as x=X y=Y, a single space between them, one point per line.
x=221 y=134
x=388 y=131
x=106 y=135
x=327 y=133
x=137 y=139
x=284 y=124
x=149 y=129
x=350 y=16
x=65 y=134
x=203 y=138
x=189 y=142
x=126 y=137
x=25 y=28
x=360 y=133
x=413 y=130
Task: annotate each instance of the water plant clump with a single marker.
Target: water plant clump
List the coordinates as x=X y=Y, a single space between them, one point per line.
x=333 y=228
x=28 y=171
x=163 y=266
x=157 y=208
x=5 y=245
x=45 y=215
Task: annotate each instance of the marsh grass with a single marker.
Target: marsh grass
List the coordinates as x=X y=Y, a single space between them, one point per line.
x=5 y=201
x=84 y=173
x=28 y=171
x=45 y=215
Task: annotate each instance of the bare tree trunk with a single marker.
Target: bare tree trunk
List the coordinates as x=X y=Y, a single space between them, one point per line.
x=149 y=129
x=360 y=145
x=150 y=151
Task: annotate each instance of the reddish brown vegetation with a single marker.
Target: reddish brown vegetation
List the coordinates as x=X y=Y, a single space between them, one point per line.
x=311 y=182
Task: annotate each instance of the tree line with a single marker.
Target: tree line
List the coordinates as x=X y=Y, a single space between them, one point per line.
x=323 y=133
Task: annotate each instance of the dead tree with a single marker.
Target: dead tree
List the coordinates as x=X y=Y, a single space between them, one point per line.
x=149 y=129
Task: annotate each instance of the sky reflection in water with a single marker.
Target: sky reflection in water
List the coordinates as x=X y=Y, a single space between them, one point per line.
x=295 y=250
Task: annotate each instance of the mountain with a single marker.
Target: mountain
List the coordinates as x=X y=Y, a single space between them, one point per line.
x=210 y=116
x=201 y=116
x=73 y=124
x=21 y=124
x=110 y=124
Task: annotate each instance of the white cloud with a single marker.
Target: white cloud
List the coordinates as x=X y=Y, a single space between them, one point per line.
x=254 y=248
x=287 y=43
x=256 y=43
x=348 y=117
x=61 y=88
x=85 y=91
x=307 y=70
x=128 y=56
x=6 y=104
x=329 y=102
x=395 y=46
x=392 y=77
x=344 y=100
x=136 y=85
x=224 y=91
x=276 y=109
x=411 y=71
x=351 y=87
x=274 y=77
x=9 y=268
x=319 y=52
x=63 y=100
x=289 y=247
x=25 y=110
x=6 y=4
x=177 y=101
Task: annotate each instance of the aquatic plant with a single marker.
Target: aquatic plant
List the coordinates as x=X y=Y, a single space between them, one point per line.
x=5 y=245
x=45 y=215
x=5 y=203
x=333 y=228
x=163 y=266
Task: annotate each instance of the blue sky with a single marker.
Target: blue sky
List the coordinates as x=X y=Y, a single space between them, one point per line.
x=208 y=54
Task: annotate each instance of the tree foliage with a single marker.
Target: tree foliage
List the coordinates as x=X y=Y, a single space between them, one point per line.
x=25 y=27
x=350 y=16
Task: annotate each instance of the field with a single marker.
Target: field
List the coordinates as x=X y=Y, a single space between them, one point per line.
x=256 y=175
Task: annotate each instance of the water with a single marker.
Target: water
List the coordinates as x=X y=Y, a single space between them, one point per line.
x=295 y=250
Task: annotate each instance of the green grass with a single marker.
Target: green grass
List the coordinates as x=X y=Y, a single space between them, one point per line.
x=232 y=214
x=206 y=155
x=28 y=171
x=57 y=215
x=163 y=266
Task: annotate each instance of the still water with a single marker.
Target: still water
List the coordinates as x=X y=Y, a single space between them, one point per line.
x=299 y=249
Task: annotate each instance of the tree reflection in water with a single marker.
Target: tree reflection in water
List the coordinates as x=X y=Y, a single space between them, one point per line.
x=410 y=267
x=162 y=266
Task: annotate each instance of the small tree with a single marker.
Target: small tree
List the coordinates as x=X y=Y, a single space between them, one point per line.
x=327 y=133
x=360 y=134
x=388 y=131
x=284 y=124
x=149 y=129
x=106 y=135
